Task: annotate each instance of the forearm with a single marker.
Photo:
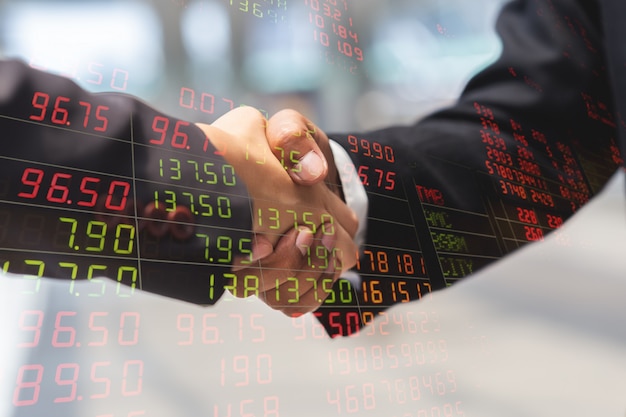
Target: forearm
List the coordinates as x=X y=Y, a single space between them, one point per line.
x=111 y=177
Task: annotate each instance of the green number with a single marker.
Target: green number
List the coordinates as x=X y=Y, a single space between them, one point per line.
x=247 y=250
x=210 y=173
x=231 y=180
x=295 y=218
x=208 y=206
x=93 y=268
x=256 y=11
x=120 y=273
x=293 y=157
x=191 y=204
x=206 y=244
x=74 y=268
x=99 y=236
x=329 y=291
x=172 y=200
x=275 y=218
x=73 y=231
x=245 y=4
x=323 y=255
x=223 y=207
x=294 y=289
x=131 y=237
x=211 y=286
x=314 y=282
x=175 y=169
x=225 y=249
x=233 y=287
x=307 y=222
x=342 y=283
x=328 y=222
x=41 y=266
x=90 y=272
x=254 y=288
x=195 y=167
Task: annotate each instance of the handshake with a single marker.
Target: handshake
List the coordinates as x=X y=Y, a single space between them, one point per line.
x=303 y=231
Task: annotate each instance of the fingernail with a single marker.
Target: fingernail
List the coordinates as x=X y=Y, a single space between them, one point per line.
x=304 y=240
x=329 y=242
x=310 y=167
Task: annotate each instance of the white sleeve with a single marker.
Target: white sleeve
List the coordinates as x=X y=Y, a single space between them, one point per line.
x=353 y=191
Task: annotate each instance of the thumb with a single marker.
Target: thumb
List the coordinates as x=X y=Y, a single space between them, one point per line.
x=301 y=146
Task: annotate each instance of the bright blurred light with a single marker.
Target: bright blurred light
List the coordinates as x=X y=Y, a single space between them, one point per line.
x=103 y=46
x=205 y=27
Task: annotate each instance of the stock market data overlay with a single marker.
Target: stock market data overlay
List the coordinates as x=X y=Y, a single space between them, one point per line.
x=131 y=217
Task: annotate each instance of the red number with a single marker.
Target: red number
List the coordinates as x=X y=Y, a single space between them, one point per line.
x=184 y=90
x=21 y=384
x=85 y=190
x=210 y=110
x=62 y=188
x=268 y=367
x=105 y=381
x=533 y=233
x=125 y=377
x=103 y=329
x=378 y=150
x=390 y=180
x=87 y=111
x=109 y=201
x=103 y=119
x=72 y=381
x=389 y=154
x=35 y=184
x=98 y=80
x=228 y=101
x=352 y=140
x=36 y=328
x=160 y=129
x=188 y=328
x=59 y=111
x=71 y=332
x=120 y=336
x=206 y=329
x=352 y=402
x=366 y=145
x=380 y=173
x=182 y=144
x=113 y=77
x=40 y=105
x=363 y=174
x=335 y=400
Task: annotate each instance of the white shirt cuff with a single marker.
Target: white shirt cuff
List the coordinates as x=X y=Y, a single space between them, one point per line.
x=353 y=191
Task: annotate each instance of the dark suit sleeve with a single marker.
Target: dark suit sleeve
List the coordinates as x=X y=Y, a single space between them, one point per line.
x=104 y=185
x=531 y=139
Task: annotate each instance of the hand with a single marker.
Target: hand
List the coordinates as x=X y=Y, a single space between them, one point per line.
x=297 y=273
x=310 y=158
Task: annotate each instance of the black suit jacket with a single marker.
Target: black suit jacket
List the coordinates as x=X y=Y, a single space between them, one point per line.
x=87 y=189
x=532 y=138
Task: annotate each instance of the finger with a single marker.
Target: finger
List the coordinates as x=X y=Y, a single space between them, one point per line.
x=342 y=214
x=273 y=269
x=300 y=145
x=342 y=250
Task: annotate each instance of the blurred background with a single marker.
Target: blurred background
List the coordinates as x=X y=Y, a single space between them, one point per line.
x=347 y=64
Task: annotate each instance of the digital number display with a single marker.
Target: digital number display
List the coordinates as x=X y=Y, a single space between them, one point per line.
x=117 y=201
